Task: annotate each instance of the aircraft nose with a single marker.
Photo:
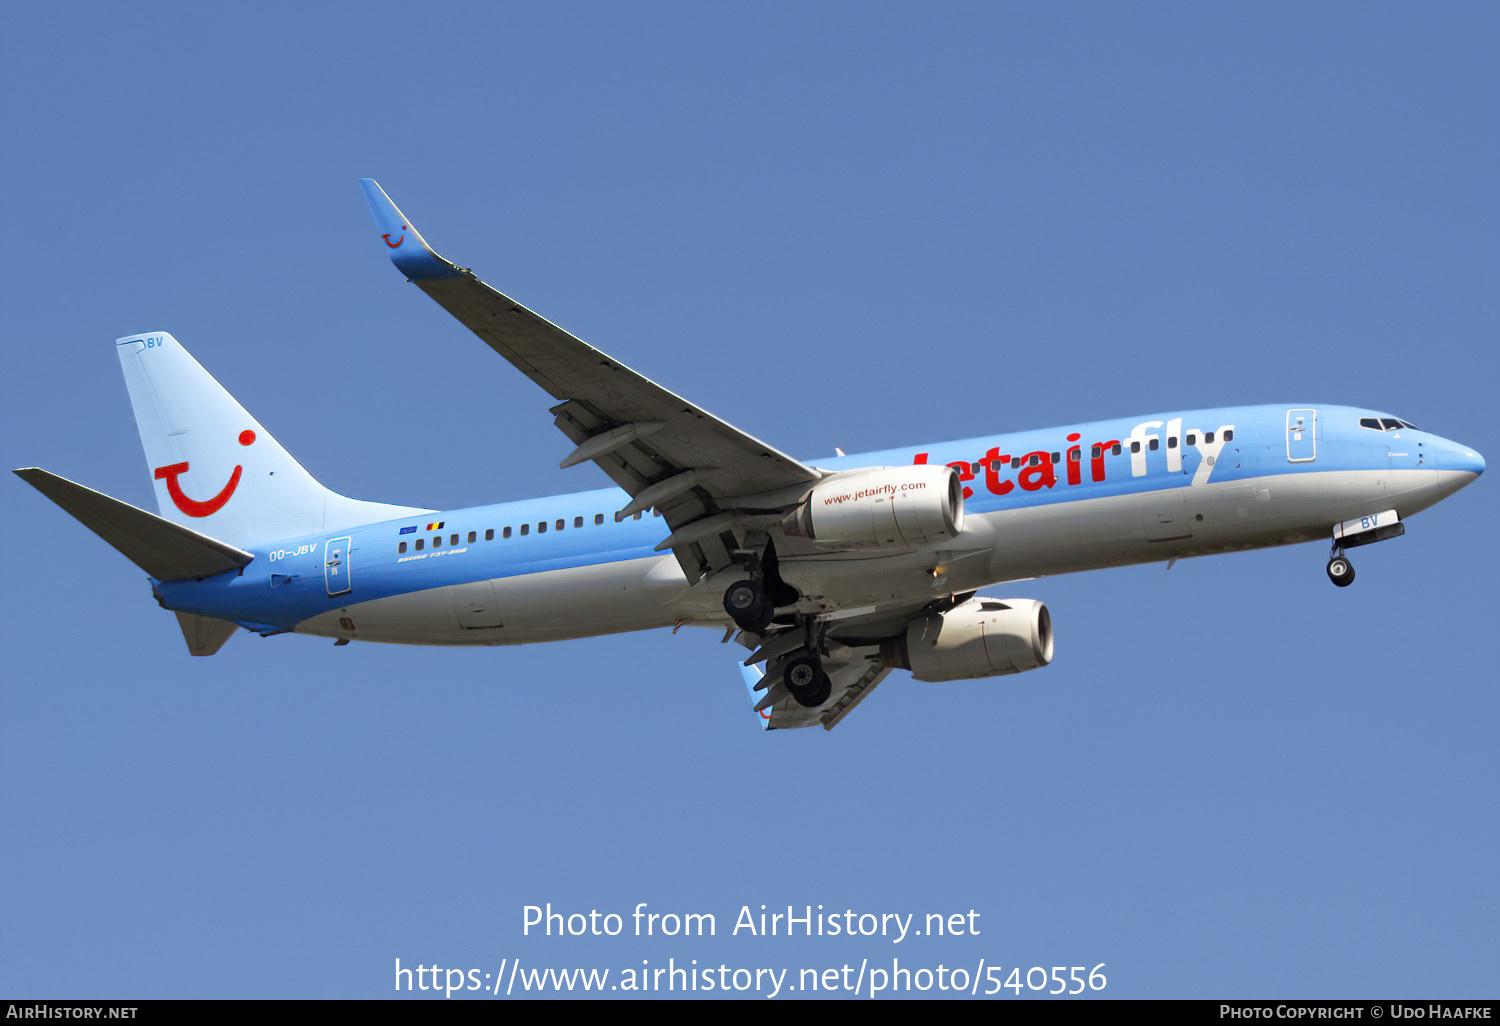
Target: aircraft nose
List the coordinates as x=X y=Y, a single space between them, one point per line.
x=1457 y=465
x=1460 y=458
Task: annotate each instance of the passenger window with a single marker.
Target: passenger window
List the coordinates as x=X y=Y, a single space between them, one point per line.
x=578 y=521
x=419 y=544
x=1097 y=452
x=1117 y=449
x=1057 y=457
x=401 y=547
x=437 y=541
x=1074 y=455
x=1015 y=463
x=505 y=533
x=1229 y=435
x=472 y=537
x=1172 y=442
x=525 y=529
x=453 y=540
x=1208 y=438
x=1192 y=438
x=598 y=519
x=541 y=527
x=560 y=524
x=1135 y=446
x=489 y=535
x=1155 y=444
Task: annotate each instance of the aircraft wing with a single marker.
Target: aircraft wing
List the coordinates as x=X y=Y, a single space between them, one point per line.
x=665 y=452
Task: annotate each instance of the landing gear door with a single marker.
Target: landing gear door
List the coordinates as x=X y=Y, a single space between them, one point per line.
x=1301 y=436
x=476 y=606
x=336 y=566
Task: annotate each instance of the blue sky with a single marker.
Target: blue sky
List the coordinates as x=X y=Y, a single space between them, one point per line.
x=833 y=225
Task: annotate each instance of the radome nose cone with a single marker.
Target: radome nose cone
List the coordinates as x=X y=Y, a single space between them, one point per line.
x=1462 y=459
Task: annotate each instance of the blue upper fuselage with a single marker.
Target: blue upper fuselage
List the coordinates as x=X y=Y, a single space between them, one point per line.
x=286 y=583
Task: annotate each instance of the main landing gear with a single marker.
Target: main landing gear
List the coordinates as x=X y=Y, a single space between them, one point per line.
x=805 y=680
x=752 y=603
x=748 y=606
x=1340 y=570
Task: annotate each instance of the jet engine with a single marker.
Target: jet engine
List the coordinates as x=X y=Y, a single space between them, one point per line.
x=882 y=508
x=983 y=637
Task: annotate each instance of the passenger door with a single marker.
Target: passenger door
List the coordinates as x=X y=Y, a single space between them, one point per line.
x=1301 y=436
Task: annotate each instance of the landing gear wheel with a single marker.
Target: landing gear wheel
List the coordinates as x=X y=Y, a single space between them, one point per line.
x=748 y=606
x=805 y=679
x=1341 y=571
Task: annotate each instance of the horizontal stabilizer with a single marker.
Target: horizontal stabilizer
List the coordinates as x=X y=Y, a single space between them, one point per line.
x=161 y=548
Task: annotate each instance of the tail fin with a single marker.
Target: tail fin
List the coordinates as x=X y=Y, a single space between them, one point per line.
x=215 y=468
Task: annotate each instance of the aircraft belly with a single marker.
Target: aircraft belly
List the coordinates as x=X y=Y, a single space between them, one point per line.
x=553 y=605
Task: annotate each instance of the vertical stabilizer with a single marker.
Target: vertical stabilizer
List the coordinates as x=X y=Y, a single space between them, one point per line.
x=214 y=467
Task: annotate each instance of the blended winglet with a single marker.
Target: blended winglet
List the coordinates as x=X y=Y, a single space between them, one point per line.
x=404 y=244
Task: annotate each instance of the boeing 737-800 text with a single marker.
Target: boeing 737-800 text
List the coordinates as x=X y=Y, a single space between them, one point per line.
x=832 y=575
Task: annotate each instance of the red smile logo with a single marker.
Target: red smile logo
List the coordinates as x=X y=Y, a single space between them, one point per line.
x=393 y=245
x=207 y=507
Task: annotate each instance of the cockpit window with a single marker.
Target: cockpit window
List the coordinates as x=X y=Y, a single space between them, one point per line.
x=1386 y=424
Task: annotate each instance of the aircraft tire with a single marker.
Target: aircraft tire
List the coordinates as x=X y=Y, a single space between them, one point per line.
x=1341 y=571
x=748 y=606
x=805 y=680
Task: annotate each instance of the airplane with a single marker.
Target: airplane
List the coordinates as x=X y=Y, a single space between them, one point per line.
x=831 y=573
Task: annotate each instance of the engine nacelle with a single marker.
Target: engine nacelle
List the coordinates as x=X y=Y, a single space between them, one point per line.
x=882 y=508
x=983 y=637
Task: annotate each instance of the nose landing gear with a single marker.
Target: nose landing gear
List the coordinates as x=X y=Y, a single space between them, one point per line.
x=1363 y=530
x=1340 y=570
